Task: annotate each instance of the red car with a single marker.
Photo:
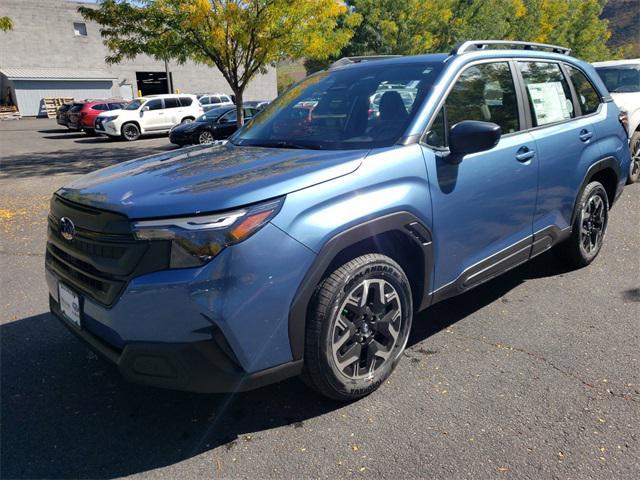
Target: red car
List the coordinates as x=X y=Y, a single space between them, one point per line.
x=82 y=115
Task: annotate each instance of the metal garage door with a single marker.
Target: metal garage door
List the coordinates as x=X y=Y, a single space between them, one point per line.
x=29 y=93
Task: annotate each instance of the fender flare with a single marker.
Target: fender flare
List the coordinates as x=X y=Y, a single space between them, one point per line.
x=602 y=164
x=404 y=222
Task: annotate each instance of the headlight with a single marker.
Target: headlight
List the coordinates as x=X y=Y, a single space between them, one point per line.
x=111 y=119
x=196 y=240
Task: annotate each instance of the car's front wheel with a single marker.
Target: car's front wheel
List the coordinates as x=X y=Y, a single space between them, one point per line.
x=357 y=327
x=589 y=227
x=205 y=137
x=130 y=132
x=634 y=169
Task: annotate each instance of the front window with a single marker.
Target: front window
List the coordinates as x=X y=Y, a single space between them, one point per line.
x=367 y=106
x=623 y=79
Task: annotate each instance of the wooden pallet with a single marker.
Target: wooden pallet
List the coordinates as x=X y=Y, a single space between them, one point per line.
x=51 y=104
x=9 y=113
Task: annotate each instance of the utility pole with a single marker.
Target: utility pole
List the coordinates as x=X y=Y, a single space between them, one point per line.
x=169 y=80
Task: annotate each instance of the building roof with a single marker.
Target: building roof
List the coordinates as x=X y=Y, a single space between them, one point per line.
x=27 y=73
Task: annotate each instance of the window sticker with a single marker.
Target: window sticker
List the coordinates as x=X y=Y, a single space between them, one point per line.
x=549 y=102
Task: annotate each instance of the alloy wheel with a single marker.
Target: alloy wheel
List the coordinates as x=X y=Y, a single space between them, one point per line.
x=205 y=137
x=593 y=224
x=366 y=329
x=635 y=158
x=130 y=132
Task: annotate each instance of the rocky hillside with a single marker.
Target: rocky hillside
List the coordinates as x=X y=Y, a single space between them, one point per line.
x=624 y=24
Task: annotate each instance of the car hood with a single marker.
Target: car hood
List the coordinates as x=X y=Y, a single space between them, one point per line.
x=188 y=127
x=206 y=179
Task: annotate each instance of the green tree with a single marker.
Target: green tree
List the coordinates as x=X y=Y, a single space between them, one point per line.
x=6 y=24
x=239 y=37
x=425 y=26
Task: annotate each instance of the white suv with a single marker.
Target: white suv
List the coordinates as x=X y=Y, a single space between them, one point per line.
x=214 y=100
x=622 y=78
x=152 y=114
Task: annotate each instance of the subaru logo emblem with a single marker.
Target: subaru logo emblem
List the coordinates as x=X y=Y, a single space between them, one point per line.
x=67 y=228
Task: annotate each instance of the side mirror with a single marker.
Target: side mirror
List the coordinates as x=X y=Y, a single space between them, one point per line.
x=145 y=109
x=472 y=136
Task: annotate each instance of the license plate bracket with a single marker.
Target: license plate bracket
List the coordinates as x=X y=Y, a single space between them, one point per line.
x=70 y=305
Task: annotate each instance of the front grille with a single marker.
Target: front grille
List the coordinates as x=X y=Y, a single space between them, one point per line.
x=103 y=256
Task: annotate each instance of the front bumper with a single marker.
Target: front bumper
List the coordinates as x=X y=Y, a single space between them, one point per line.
x=107 y=128
x=221 y=327
x=202 y=367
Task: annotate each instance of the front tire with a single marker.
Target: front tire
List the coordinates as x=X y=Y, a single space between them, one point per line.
x=130 y=132
x=589 y=227
x=357 y=328
x=205 y=138
x=634 y=168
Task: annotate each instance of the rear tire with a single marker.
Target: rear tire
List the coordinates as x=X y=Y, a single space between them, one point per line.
x=357 y=328
x=130 y=132
x=90 y=131
x=634 y=168
x=589 y=227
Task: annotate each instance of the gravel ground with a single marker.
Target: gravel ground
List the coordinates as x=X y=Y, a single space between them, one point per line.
x=533 y=375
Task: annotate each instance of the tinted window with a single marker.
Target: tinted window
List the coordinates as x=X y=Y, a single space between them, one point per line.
x=204 y=100
x=155 y=104
x=229 y=117
x=76 y=107
x=621 y=79
x=213 y=100
x=588 y=98
x=100 y=106
x=116 y=106
x=367 y=106
x=487 y=93
x=249 y=112
x=186 y=101
x=547 y=91
x=171 y=103
x=133 y=105
x=225 y=99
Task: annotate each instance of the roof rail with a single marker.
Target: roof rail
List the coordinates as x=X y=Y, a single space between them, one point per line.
x=484 y=44
x=366 y=58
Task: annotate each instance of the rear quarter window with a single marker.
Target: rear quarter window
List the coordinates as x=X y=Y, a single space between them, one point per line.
x=588 y=98
x=171 y=103
x=186 y=101
x=100 y=106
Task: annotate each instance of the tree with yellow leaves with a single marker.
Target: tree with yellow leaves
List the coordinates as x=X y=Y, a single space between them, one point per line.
x=239 y=37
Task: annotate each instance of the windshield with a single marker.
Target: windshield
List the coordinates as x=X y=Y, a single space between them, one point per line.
x=363 y=107
x=133 y=105
x=212 y=114
x=621 y=79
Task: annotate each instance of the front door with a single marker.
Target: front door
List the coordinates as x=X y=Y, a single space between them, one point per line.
x=153 y=118
x=482 y=207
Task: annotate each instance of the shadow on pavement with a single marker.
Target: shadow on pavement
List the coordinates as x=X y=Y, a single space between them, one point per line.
x=67 y=413
x=74 y=162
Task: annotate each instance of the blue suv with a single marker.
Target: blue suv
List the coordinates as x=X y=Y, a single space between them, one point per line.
x=361 y=196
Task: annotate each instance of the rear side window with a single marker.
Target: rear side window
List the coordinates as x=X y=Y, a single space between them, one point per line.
x=100 y=106
x=487 y=93
x=171 y=103
x=116 y=106
x=155 y=104
x=225 y=99
x=548 y=92
x=588 y=98
x=186 y=101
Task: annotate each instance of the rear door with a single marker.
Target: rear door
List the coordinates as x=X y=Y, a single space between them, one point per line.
x=173 y=111
x=565 y=128
x=482 y=207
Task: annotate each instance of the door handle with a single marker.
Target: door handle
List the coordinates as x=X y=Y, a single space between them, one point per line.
x=160 y=113
x=525 y=154
x=585 y=135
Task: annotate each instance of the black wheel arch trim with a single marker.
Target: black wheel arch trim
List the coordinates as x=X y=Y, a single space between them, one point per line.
x=598 y=166
x=408 y=224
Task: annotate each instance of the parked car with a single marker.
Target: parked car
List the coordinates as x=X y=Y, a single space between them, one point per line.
x=151 y=114
x=622 y=78
x=283 y=253
x=216 y=124
x=257 y=104
x=62 y=114
x=214 y=100
x=83 y=115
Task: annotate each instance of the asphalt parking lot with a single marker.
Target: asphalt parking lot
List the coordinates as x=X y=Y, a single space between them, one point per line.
x=533 y=375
